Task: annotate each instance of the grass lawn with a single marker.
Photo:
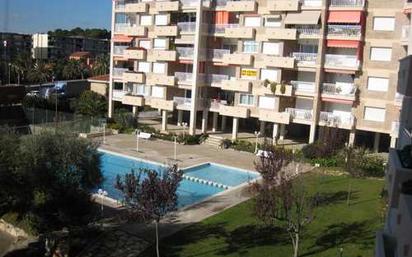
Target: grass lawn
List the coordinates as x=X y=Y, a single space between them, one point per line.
x=236 y=232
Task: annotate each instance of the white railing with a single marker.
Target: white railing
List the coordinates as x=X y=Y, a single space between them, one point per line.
x=345 y=30
x=220 y=28
x=349 y=61
x=118 y=95
x=300 y=114
x=305 y=58
x=399 y=99
x=406 y=31
x=121 y=27
x=185 y=52
x=119 y=50
x=216 y=79
x=308 y=30
x=118 y=72
x=303 y=86
x=339 y=89
x=216 y=104
x=182 y=100
x=184 y=77
x=217 y=53
x=188 y=27
x=337 y=119
x=347 y=3
x=189 y=2
x=311 y=3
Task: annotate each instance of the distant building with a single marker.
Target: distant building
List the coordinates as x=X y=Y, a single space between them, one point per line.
x=87 y=57
x=14 y=43
x=53 y=47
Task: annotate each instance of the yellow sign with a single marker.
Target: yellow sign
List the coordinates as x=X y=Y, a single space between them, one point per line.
x=248 y=73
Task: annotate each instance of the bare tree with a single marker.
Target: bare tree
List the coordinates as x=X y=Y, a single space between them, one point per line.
x=282 y=198
x=150 y=195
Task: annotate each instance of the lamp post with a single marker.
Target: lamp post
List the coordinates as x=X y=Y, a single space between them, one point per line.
x=102 y=193
x=137 y=140
x=184 y=124
x=104 y=133
x=257 y=134
x=175 y=153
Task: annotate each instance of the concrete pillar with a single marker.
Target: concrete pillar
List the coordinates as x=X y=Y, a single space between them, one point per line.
x=164 y=120
x=282 y=131
x=205 y=115
x=179 y=117
x=235 y=128
x=262 y=128
x=135 y=111
x=393 y=141
x=312 y=133
x=215 y=121
x=351 y=140
x=275 y=133
x=223 y=123
x=376 y=142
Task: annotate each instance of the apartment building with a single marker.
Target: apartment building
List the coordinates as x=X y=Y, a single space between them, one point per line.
x=281 y=67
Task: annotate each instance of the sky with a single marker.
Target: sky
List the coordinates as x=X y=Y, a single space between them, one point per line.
x=32 y=16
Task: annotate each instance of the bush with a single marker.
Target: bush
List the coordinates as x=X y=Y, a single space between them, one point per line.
x=242 y=145
x=326 y=162
x=123 y=120
x=317 y=150
x=372 y=166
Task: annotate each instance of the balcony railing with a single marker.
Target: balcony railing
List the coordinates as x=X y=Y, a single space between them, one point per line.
x=345 y=61
x=118 y=72
x=187 y=27
x=345 y=30
x=119 y=50
x=334 y=119
x=337 y=89
x=216 y=104
x=216 y=79
x=406 y=31
x=347 y=3
x=182 y=100
x=305 y=58
x=220 y=28
x=118 y=95
x=399 y=99
x=121 y=27
x=185 y=52
x=217 y=53
x=184 y=77
x=310 y=30
x=300 y=114
x=311 y=3
x=303 y=86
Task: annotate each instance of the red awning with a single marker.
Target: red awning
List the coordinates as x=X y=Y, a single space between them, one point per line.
x=122 y=39
x=345 y=17
x=343 y=43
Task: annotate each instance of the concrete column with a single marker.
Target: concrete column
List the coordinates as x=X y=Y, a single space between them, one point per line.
x=351 y=141
x=164 y=120
x=135 y=111
x=215 y=121
x=235 y=128
x=223 y=123
x=312 y=133
x=205 y=115
x=376 y=142
x=262 y=128
x=179 y=117
x=275 y=133
x=393 y=141
x=282 y=132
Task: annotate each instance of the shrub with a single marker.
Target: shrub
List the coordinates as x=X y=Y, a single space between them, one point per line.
x=226 y=143
x=371 y=166
x=242 y=145
x=317 y=150
x=326 y=162
x=125 y=120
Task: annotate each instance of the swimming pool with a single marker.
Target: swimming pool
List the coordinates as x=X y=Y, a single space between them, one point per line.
x=189 y=192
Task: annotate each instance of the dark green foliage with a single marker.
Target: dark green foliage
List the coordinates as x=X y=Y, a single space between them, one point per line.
x=318 y=150
x=75 y=69
x=243 y=145
x=91 y=33
x=101 y=65
x=91 y=104
x=123 y=120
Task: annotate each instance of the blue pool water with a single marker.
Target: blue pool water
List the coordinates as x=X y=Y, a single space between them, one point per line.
x=189 y=192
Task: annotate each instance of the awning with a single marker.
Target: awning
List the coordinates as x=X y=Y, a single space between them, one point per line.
x=122 y=39
x=304 y=17
x=343 y=43
x=345 y=17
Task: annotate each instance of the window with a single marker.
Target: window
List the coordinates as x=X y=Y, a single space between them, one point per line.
x=384 y=23
x=160 y=43
x=374 y=114
x=252 y=21
x=159 y=68
x=158 y=91
x=381 y=54
x=273 y=22
x=146 y=20
x=270 y=74
x=161 y=19
x=146 y=44
x=246 y=99
x=378 y=84
x=250 y=47
x=267 y=102
x=271 y=48
x=140 y=89
x=248 y=74
x=144 y=67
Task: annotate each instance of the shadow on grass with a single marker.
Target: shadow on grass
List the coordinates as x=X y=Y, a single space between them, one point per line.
x=339 y=234
x=327 y=198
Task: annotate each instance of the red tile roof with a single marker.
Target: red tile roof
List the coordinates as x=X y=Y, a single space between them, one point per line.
x=103 y=78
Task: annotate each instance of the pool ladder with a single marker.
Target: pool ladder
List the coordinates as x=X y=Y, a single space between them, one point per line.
x=206 y=182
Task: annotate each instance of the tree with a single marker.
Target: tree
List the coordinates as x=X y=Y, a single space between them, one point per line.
x=149 y=196
x=282 y=199
x=75 y=69
x=22 y=65
x=40 y=73
x=91 y=104
x=102 y=65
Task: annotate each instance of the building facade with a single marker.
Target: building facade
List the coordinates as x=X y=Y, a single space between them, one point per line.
x=288 y=66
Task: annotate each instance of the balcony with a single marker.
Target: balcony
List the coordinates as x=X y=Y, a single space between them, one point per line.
x=214 y=105
x=135 y=8
x=264 y=61
x=347 y=4
x=160 y=79
x=185 y=52
x=165 y=31
x=118 y=72
x=135 y=54
x=237 y=85
x=237 y=59
x=240 y=32
x=241 y=6
x=300 y=114
x=216 y=55
x=121 y=28
x=341 y=120
x=167 y=6
x=186 y=28
x=119 y=50
x=305 y=59
x=308 y=31
x=216 y=80
x=352 y=32
x=184 y=78
x=303 y=87
x=344 y=91
x=234 y=111
x=398 y=101
x=133 y=100
x=134 y=77
x=311 y=4
x=183 y=102
x=159 y=103
x=406 y=31
x=154 y=55
x=346 y=62
x=219 y=29
x=282 y=6
x=265 y=34
x=130 y=30
x=191 y=4
x=274 y=116
x=118 y=95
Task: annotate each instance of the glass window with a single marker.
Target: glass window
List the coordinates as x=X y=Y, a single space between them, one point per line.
x=374 y=114
x=159 y=68
x=160 y=43
x=158 y=91
x=250 y=47
x=146 y=20
x=271 y=48
x=146 y=44
x=378 y=84
x=381 y=54
x=144 y=67
x=270 y=74
x=273 y=22
x=267 y=102
x=246 y=99
x=384 y=23
x=252 y=21
x=161 y=19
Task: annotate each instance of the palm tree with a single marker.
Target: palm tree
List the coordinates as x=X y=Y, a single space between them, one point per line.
x=21 y=66
x=102 y=65
x=41 y=72
x=75 y=69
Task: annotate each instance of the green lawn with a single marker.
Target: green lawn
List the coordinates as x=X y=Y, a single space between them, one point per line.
x=236 y=232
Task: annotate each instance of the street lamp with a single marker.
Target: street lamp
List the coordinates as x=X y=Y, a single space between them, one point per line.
x=104 y=132
x=257 y=134
x=175 y=154
x=102 y=193
x=184 y=124
x=137 y=140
